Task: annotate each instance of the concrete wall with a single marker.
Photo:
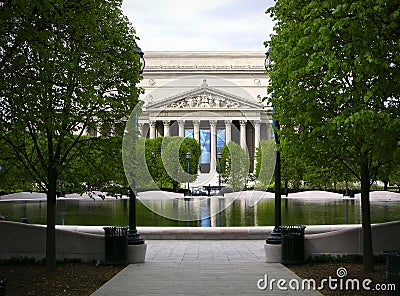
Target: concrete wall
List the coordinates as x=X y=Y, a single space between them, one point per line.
x=87 y=242
x=350 y=241
x=209 y=233
x=25 y=240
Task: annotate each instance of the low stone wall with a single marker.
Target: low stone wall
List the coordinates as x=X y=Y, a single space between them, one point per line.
x=350 y=241
x=208 y=233
x=87 y=242
x=18 y=240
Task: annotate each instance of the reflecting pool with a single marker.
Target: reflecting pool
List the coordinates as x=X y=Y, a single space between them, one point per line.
x=203 y=212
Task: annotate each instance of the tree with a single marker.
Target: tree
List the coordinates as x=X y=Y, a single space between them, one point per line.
x=336 y=83
x=265 y=163
x=235 y=165
x=65 y=67
x=394 y=176
x=293 y=167
x=161 y=162
x=97 y=165
x=154 y=162
x=173 y=155
x=302 y=166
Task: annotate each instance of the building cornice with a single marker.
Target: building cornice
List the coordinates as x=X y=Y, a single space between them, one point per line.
x=204 y=62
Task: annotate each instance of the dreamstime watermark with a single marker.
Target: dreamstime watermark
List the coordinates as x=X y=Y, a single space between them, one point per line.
x=340 y=282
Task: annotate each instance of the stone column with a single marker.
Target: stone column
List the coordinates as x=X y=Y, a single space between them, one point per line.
x=181 y=124
x=152 y=124
x=213 y=135
x=196 y=130
x=243 y=135
x=228 y=131
x=257 y=133
x=166 y=128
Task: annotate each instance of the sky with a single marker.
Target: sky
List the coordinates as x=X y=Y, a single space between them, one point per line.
x=200 y=25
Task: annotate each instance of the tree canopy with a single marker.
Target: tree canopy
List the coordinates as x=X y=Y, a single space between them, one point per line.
x=335 y=77
x=265 y=163
x=65 y=67
x=161 y=162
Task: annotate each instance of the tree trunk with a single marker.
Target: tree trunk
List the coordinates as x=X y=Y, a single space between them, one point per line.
x=385 y=185
x=51 y=221
x=368 y=260
x=286 y=188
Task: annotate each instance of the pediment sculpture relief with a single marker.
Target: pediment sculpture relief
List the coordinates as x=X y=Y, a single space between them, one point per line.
x=205 y=101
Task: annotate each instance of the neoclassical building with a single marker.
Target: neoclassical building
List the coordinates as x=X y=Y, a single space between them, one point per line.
x=214 y=97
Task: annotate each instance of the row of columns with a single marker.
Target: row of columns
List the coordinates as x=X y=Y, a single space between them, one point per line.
x=213 y=130
x=196 y=130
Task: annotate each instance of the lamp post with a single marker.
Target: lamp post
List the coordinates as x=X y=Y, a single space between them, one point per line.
x=134 y=237
x=141 y=59
x=275 y=236
x=188 y=157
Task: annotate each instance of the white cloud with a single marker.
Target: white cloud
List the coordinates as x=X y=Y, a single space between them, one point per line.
x=200 y=25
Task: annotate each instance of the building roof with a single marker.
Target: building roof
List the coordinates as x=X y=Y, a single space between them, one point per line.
x=201 y=62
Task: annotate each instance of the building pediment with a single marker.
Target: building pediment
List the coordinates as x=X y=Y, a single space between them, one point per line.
x=204 y=98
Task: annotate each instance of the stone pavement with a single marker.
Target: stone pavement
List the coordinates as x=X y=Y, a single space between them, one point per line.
x=202 y=268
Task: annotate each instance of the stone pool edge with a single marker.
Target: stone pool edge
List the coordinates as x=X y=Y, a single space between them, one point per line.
x=208 y=233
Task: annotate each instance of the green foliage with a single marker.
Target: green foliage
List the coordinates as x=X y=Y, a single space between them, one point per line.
x=13 y=176
x=97 y=165
x=394 y=176
x=26 y=261
x=154 y=162
x=265 y=163
x=65 y=67
x=173 y=154
x=335 y=77
x=235 y=166
x=192 y=146
x=336 y=82
x=165 y=163
x=29 y=261
x=351 y=258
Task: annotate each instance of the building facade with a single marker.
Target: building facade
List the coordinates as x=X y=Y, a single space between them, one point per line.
x=214 y=97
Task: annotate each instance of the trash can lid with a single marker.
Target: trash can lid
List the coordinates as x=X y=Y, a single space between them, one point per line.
x=293 y=227
x=115 y=231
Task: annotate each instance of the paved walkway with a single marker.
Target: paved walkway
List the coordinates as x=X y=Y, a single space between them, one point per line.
x=201 y=268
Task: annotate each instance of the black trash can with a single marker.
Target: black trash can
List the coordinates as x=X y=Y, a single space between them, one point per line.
x=116 y=245
x=292 y=244
x=393 y=272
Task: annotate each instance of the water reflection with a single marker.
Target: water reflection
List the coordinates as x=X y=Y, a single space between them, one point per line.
x=202 y=212
x=205 y=213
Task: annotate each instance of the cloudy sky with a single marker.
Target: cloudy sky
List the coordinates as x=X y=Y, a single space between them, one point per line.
x=227 y=25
